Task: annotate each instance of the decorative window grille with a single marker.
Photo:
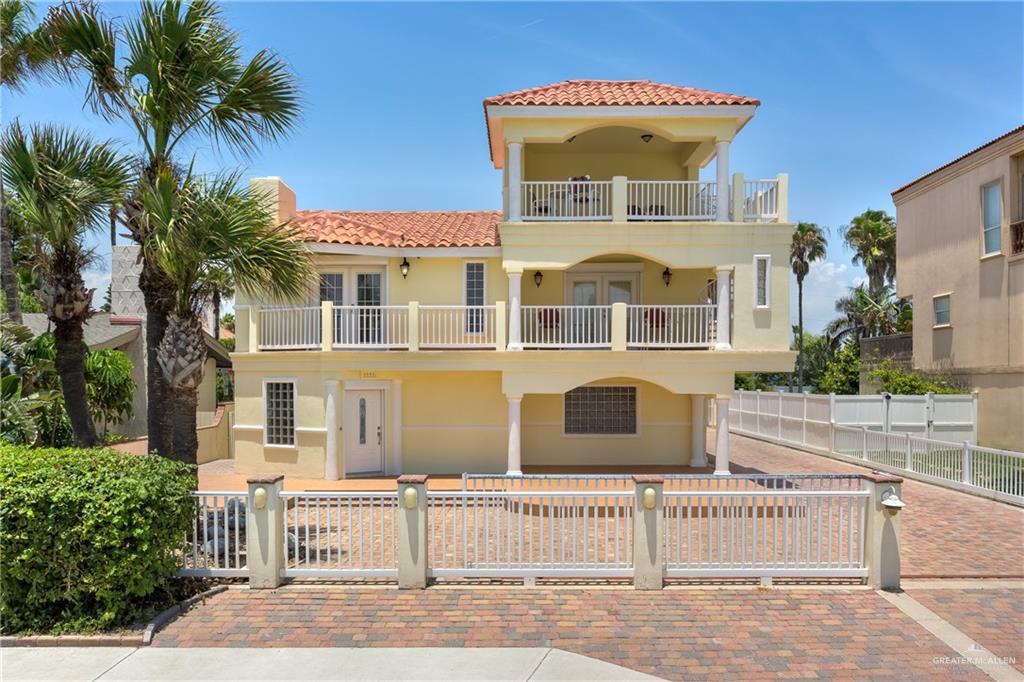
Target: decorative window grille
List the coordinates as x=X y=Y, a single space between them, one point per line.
x=475 y=296
x=601 y=410
x=280 y=404
x=762 y=281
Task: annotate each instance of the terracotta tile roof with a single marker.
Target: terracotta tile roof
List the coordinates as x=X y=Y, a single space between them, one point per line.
x=401 y=228
x=624 y=93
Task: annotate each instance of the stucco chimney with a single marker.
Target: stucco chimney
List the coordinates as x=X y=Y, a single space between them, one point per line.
x=125 y=268
x=280 y=196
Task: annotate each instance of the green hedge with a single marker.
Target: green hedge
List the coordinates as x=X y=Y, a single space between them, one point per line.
x=87 y=536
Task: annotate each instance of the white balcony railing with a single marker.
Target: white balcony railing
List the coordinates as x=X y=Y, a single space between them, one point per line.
x=458 y=326
x=369 y=326
x=760 y=200
x=671 y=200
x=566 y=326
x=670 y=326
x=289 y=328
x=571 y=200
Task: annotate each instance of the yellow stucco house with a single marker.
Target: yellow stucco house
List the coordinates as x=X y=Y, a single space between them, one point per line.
x=591 y=321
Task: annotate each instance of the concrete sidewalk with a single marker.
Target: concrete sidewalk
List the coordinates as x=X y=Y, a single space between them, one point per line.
x=65 y=664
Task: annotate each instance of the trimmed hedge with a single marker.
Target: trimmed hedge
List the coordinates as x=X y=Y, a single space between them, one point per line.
x=86 y=536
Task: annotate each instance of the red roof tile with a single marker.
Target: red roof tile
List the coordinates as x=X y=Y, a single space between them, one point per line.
x=401 y=228
x=623 y=93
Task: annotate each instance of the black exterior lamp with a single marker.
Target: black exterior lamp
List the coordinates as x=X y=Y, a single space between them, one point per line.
x=538 y=277
x=404 y=267
x=646 y=137
x=666 y=276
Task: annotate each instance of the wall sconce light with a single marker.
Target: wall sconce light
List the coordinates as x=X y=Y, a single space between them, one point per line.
x=538 y=277
x=650 y=498
x=646 y=137
x=259 y=498
x=404 y=267
x=892 y=502
x=410 y=498
x=666 y=276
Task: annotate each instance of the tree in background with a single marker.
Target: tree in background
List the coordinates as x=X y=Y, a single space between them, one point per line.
x=872 y=237
x=228 y=322
x=62 y=186
x=842 y=375
x=204 y=234
x=26 y=52
x=808 y=245
x=864 y=313
x=174 y=73
x=110 y=387
x=899 y=382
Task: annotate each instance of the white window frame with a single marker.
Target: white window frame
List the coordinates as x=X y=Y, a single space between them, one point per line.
x=350 y=277
x=949 y=311
x=998 y=183
x=635 y=434
x=295 y=408
x=767 y=281
x=465 y=297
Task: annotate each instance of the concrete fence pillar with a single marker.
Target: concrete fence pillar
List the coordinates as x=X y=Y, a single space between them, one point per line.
x=242 y=339
x=264 y=531
x=648 y=532
x=618 y=326
x=882 y=529
x=738 y=212
x=620 y=198
x=412 y=531
x=413 y=322
x=254 y=328
x=326 y=326
x=500 y=335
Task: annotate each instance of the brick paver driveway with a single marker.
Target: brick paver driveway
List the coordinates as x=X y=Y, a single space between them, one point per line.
x=945 y=533
x=680 y=634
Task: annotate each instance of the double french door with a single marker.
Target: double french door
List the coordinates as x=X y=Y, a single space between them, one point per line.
x=358 y=315
x=591 y=296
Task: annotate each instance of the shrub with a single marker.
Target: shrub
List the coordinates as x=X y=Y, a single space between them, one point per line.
x=898 y=382
x=842 y=373
x=87 y=535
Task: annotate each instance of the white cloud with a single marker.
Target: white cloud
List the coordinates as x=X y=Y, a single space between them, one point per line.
x=825 y=282
x=99 y=281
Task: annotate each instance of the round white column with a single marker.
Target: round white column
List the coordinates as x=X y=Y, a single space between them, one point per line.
x=515 y=318
x=698 y=439
x=331 y=425
x=722 y=437
x=515 y=467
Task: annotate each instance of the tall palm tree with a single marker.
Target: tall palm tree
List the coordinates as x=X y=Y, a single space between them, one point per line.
x=864 y=313
x=872 y=236
x=204 y=234
x=808 y=245
x=176 y=74
x=25 y=52
x=62 y=186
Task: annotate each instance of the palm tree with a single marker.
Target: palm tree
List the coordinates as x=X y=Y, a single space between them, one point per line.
x=62 y=186
x=25 y=52
x=864 y=314
x=174 y=73
x=807 y=246
x=204 y=234
x=872 y=236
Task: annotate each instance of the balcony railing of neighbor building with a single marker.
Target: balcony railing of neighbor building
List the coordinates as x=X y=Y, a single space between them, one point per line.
x=1017 y=238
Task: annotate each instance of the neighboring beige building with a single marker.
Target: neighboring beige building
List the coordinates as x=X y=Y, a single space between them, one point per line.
x=588 y=322
x=960 y=258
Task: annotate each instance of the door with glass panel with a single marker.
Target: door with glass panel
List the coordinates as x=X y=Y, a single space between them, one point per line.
x=597 y=292
x=364 y=432
x=368 y=300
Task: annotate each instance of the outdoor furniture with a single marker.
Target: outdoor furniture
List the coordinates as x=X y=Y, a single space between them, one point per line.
x=548 y=318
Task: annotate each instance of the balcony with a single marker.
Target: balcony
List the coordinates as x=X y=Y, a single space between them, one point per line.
x=623 y=200
x=414 y=327
x=1017 y=238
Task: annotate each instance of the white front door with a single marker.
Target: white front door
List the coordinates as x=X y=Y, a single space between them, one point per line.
x=364 y=432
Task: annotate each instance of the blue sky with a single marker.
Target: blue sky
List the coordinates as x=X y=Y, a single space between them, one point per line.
x=857 y=99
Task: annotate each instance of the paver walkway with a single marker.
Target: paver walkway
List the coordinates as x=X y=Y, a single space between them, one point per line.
x=692 y=634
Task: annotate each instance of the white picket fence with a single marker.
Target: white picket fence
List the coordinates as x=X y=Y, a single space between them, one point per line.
x=887 y=432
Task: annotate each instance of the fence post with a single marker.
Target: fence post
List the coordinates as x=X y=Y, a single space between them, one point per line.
x=412 y=531
x=965 y=467
x=882 y=530
x=910 y=453
x=255 y=322
x=778 y=419
x=648 y=532
x=413 y=320
x=832 y=421
x=757 y=411
x=929 y=415
x=500 y=337
x=620 y=198
x=974 y=416
x=803 y=422
x=863 y=442
x=326 y=326
x=737 y=198
x=264 y=531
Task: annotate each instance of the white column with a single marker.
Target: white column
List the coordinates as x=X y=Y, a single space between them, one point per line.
x=515 y=176
x=331 y=426
x=515 y=318
x=722 y=436
x=515 y=467
x=722 y=274
x=722 y=177
x=698 y=438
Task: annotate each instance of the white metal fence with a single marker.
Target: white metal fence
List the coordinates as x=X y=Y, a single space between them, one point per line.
x=670 y=326
x=457 y=326
x=289 y=328
x=566 y=326
x=569 y=200
x=216 y=544
x=671 y=199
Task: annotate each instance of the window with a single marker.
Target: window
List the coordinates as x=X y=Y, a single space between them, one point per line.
x=279 y=397
x=941 y=306
x=992 y=218
x=475 y=296
x=601 y=410
x=762 y=281
x=362 y=421
x=331 y=288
